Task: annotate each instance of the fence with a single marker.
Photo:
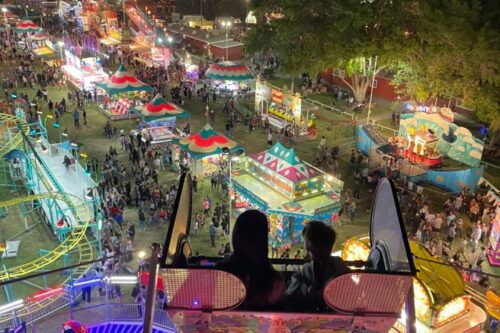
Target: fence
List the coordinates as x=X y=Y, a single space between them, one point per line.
x=130 y=313
x=385 y=129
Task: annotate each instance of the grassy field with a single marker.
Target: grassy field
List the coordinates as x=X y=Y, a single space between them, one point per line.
x=24 y=225
x=90 y=136
x=336 y=129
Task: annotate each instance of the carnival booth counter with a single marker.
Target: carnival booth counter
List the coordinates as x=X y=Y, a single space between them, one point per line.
x=83 y=73
x=121 y=92
x=160 y=120
x=289 y=190
x=229 y=78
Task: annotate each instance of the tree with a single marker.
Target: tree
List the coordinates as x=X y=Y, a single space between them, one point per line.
x=455 y=55
x=313 y=35
x=437 y=48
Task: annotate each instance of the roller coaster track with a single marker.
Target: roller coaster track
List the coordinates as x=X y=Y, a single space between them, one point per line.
x=77 y=235
x=21 y=128
x=76 y=240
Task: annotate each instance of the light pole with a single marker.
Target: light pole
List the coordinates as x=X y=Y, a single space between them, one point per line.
x=371 y=92
x=170 y=40
x=4 y=10
x=61 y=44
x=248 y=11
x=227 y=152
x=227 y=25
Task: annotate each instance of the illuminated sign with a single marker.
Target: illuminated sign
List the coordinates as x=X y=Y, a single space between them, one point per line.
x=277 y=96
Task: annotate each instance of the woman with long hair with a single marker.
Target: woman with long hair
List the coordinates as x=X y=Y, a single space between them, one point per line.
x=249 y=261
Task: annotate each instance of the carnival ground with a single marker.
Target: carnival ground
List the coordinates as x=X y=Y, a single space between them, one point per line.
x=337 y=129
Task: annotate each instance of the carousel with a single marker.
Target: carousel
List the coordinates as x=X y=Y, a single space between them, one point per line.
x=229 y=78
x=207 y=150
x=441 y=301
x=121 y=91
x=160 y=121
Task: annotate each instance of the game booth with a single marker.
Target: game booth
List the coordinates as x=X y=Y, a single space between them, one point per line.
x=121 y=91
x=229 y=78
x=161 y=121
x=207 y=150
x=83 y=73
x=282 y=109
x=290 y=191
x=441 y=304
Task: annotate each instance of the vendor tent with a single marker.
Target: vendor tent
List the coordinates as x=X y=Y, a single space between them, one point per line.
x=285 y=162
x=122 y=82
x=207 y=142
x=26 y=26
x=229 y=71
x=159 y=107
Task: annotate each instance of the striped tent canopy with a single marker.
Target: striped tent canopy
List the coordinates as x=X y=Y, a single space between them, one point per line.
x=230 y=71
x=207 y=142
x=122 y=82
x=285 y=162
x=159 y=107
x=38 y=36
x=26 y=26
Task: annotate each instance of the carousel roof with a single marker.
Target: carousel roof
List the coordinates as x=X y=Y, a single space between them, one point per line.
x=159 y=107
x=450 y=284
x=26 y=26
x=285 y=162
x=228 y=70
x=121 y=82
x=207 y=142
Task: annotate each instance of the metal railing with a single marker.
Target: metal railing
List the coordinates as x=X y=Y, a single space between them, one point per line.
x=130 y=313
x=383 y=128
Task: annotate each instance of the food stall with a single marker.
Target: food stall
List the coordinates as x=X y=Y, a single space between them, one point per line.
x=282 y=108
x=441 y=302
x=288 y=189
x=206 y=150
x=229 y=78
x=121 y=91
x=83 y=73
x=159 y=121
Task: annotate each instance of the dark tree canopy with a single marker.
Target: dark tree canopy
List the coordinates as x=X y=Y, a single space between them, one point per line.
x=446 y=48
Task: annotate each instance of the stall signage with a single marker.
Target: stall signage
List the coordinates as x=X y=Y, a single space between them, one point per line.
x=157 y=54
x=273 y=179
x=277 y=96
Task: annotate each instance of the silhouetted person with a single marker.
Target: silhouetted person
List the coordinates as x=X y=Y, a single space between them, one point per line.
x=249 y=260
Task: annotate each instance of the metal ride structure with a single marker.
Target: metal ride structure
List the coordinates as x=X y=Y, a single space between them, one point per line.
x=45 y=194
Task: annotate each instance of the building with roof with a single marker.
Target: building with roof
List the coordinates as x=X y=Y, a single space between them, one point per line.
x=209 y=42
